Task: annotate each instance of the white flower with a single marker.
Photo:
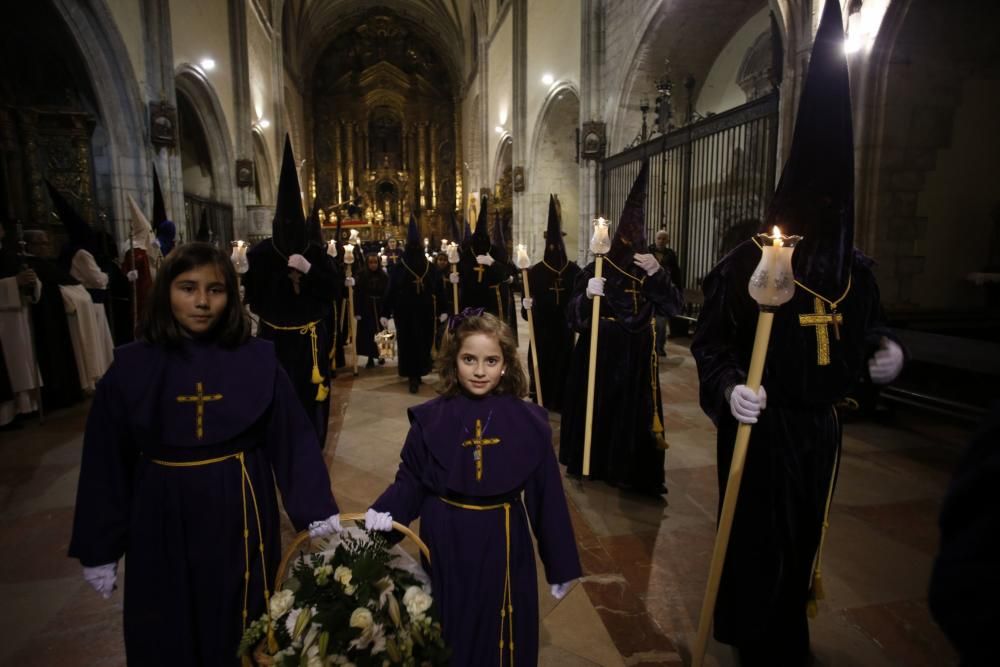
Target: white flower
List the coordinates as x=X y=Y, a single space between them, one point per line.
x=371 y=636
x=417 y=601
x=361 y=618
x=281 y=602
x=343 y=575
x=293 y=616
x=312 y=657
x=385 y=587
x=322 y=574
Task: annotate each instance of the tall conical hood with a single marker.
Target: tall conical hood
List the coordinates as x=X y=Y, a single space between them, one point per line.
x=815 y=196
x=203 y=234
x=630 y=237
x=499 y=243
x=481 y=237
x=313 y=231
x=288 y=230
x=555 y=249
x=413 y=251
x=159 y=206
x=139 y=226
x=79 y=232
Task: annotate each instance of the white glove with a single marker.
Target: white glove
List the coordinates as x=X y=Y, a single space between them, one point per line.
x=443 y=317
x=384 y=322
x=647 y=263
x=378 y=520
x=453 y=278
x=484 y=259
x=102 y=578
x=559 y=590
x=299 y=263
x=509 y=280
x=887 y=362
x=357 y=317
x=155 y=242
x=348 y=282
x=746 y=405
x=132 y=276
x=595 y=287
x=325 y=527
x=527 y=302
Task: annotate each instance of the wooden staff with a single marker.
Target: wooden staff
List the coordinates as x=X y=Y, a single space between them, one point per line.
x=816 y=580
x=353 y=322
x=531 y=338
x=454 y=290
x=595 y=323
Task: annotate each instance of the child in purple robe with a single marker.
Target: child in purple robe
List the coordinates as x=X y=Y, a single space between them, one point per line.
x=188 y=432
x=479 y=470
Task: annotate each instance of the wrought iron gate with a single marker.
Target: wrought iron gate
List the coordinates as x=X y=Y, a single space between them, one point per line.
x=709 y=183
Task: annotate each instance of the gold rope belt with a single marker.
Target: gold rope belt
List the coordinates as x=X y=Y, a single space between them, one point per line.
x=309 y=328
x=507 y=604
x=245 y=483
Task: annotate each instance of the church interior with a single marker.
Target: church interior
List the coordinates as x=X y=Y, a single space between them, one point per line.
x=432 y=109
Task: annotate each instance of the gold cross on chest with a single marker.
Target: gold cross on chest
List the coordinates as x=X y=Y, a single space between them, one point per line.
x=557 y=288
x=199 y=399
x=480 y=269
x=635 y=299
x=479 y=442
x=821 y=320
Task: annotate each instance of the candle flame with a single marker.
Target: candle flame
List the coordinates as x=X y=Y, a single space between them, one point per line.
x=776 y=234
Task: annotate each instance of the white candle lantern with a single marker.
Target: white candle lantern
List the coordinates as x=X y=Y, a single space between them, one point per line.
x=600 y=242
x=773 y=281
x=522 y=261
x=349 y=253
x=331 y=248
x=452 y=251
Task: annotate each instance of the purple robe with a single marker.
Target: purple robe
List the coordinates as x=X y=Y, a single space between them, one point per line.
x=468 y=547
x=181 y=529
x=627 y=403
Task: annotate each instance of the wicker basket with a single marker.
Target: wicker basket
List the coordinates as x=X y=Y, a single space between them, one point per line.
x=261 y=656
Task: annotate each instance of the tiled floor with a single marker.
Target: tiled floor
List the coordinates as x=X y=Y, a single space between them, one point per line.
x=646 y=561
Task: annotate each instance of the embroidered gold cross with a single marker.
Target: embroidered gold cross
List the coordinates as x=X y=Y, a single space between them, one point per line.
x=635 y=300
x=199 y=399
x=557 y=288
x=821 y=320
x=479 y=442
x=480 y=269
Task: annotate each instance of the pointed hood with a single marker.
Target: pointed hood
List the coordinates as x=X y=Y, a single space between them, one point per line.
x=481 y=244
x=555 y=248
x=164 y=229
x=815 y=196
x=630 y=236
x=313 y=231
x=139 y=226
x=203 y=235
x=81 y=236
x=499 y=243
x=413 y=251
x=288 y=230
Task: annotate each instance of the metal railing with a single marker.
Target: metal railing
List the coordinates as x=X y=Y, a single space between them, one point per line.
x=709 y=183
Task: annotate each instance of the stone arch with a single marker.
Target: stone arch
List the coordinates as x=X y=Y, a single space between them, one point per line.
x=554 y=169
x=118 y=97
x=263 y=171
x=504 y=155
x=198 y=91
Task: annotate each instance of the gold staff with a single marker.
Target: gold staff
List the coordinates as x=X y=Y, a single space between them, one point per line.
x=523 y=262
x=600 y=243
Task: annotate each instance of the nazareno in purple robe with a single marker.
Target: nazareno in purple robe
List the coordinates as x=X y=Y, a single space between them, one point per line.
x=468 y=547
x=181 y=528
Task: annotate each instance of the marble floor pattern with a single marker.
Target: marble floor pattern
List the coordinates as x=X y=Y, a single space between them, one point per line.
x=645 y=560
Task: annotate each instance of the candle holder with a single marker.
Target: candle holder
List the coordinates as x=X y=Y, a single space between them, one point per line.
x=452 y=251
x=771 y=285
x=348 y=261
x=522 y=261
x=331 y=248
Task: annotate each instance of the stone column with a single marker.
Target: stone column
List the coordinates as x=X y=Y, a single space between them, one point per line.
x=422 y=162
x=434 y=164
x=520 y=219
x=591 y=87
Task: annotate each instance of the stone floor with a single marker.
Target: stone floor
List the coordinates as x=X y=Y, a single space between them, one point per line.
x=645 y=561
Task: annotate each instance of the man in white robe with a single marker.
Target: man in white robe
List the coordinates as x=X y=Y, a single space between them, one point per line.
x=16 y=291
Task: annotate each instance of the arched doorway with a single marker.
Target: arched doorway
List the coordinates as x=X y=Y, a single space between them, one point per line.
x=206 y=156
x=554 y=170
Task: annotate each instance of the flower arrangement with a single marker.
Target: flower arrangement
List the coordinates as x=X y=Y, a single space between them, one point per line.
x=349 y=605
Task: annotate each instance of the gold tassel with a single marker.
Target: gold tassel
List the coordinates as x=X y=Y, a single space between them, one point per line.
x=818 y=592
x=322 y=392
x=657 y=430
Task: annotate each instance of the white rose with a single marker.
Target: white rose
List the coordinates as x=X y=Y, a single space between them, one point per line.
x=361 y=618
x=343 y=576
x=281 y=602
x=417 y=601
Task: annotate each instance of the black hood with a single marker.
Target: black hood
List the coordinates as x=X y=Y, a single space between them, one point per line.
x=555 y=249
x=288 y=230
x=481 y=244
x=630 y=236
x=499 y=250
x=81 y=236
x=815 y=196
x=413 y=251
x=313 y=231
